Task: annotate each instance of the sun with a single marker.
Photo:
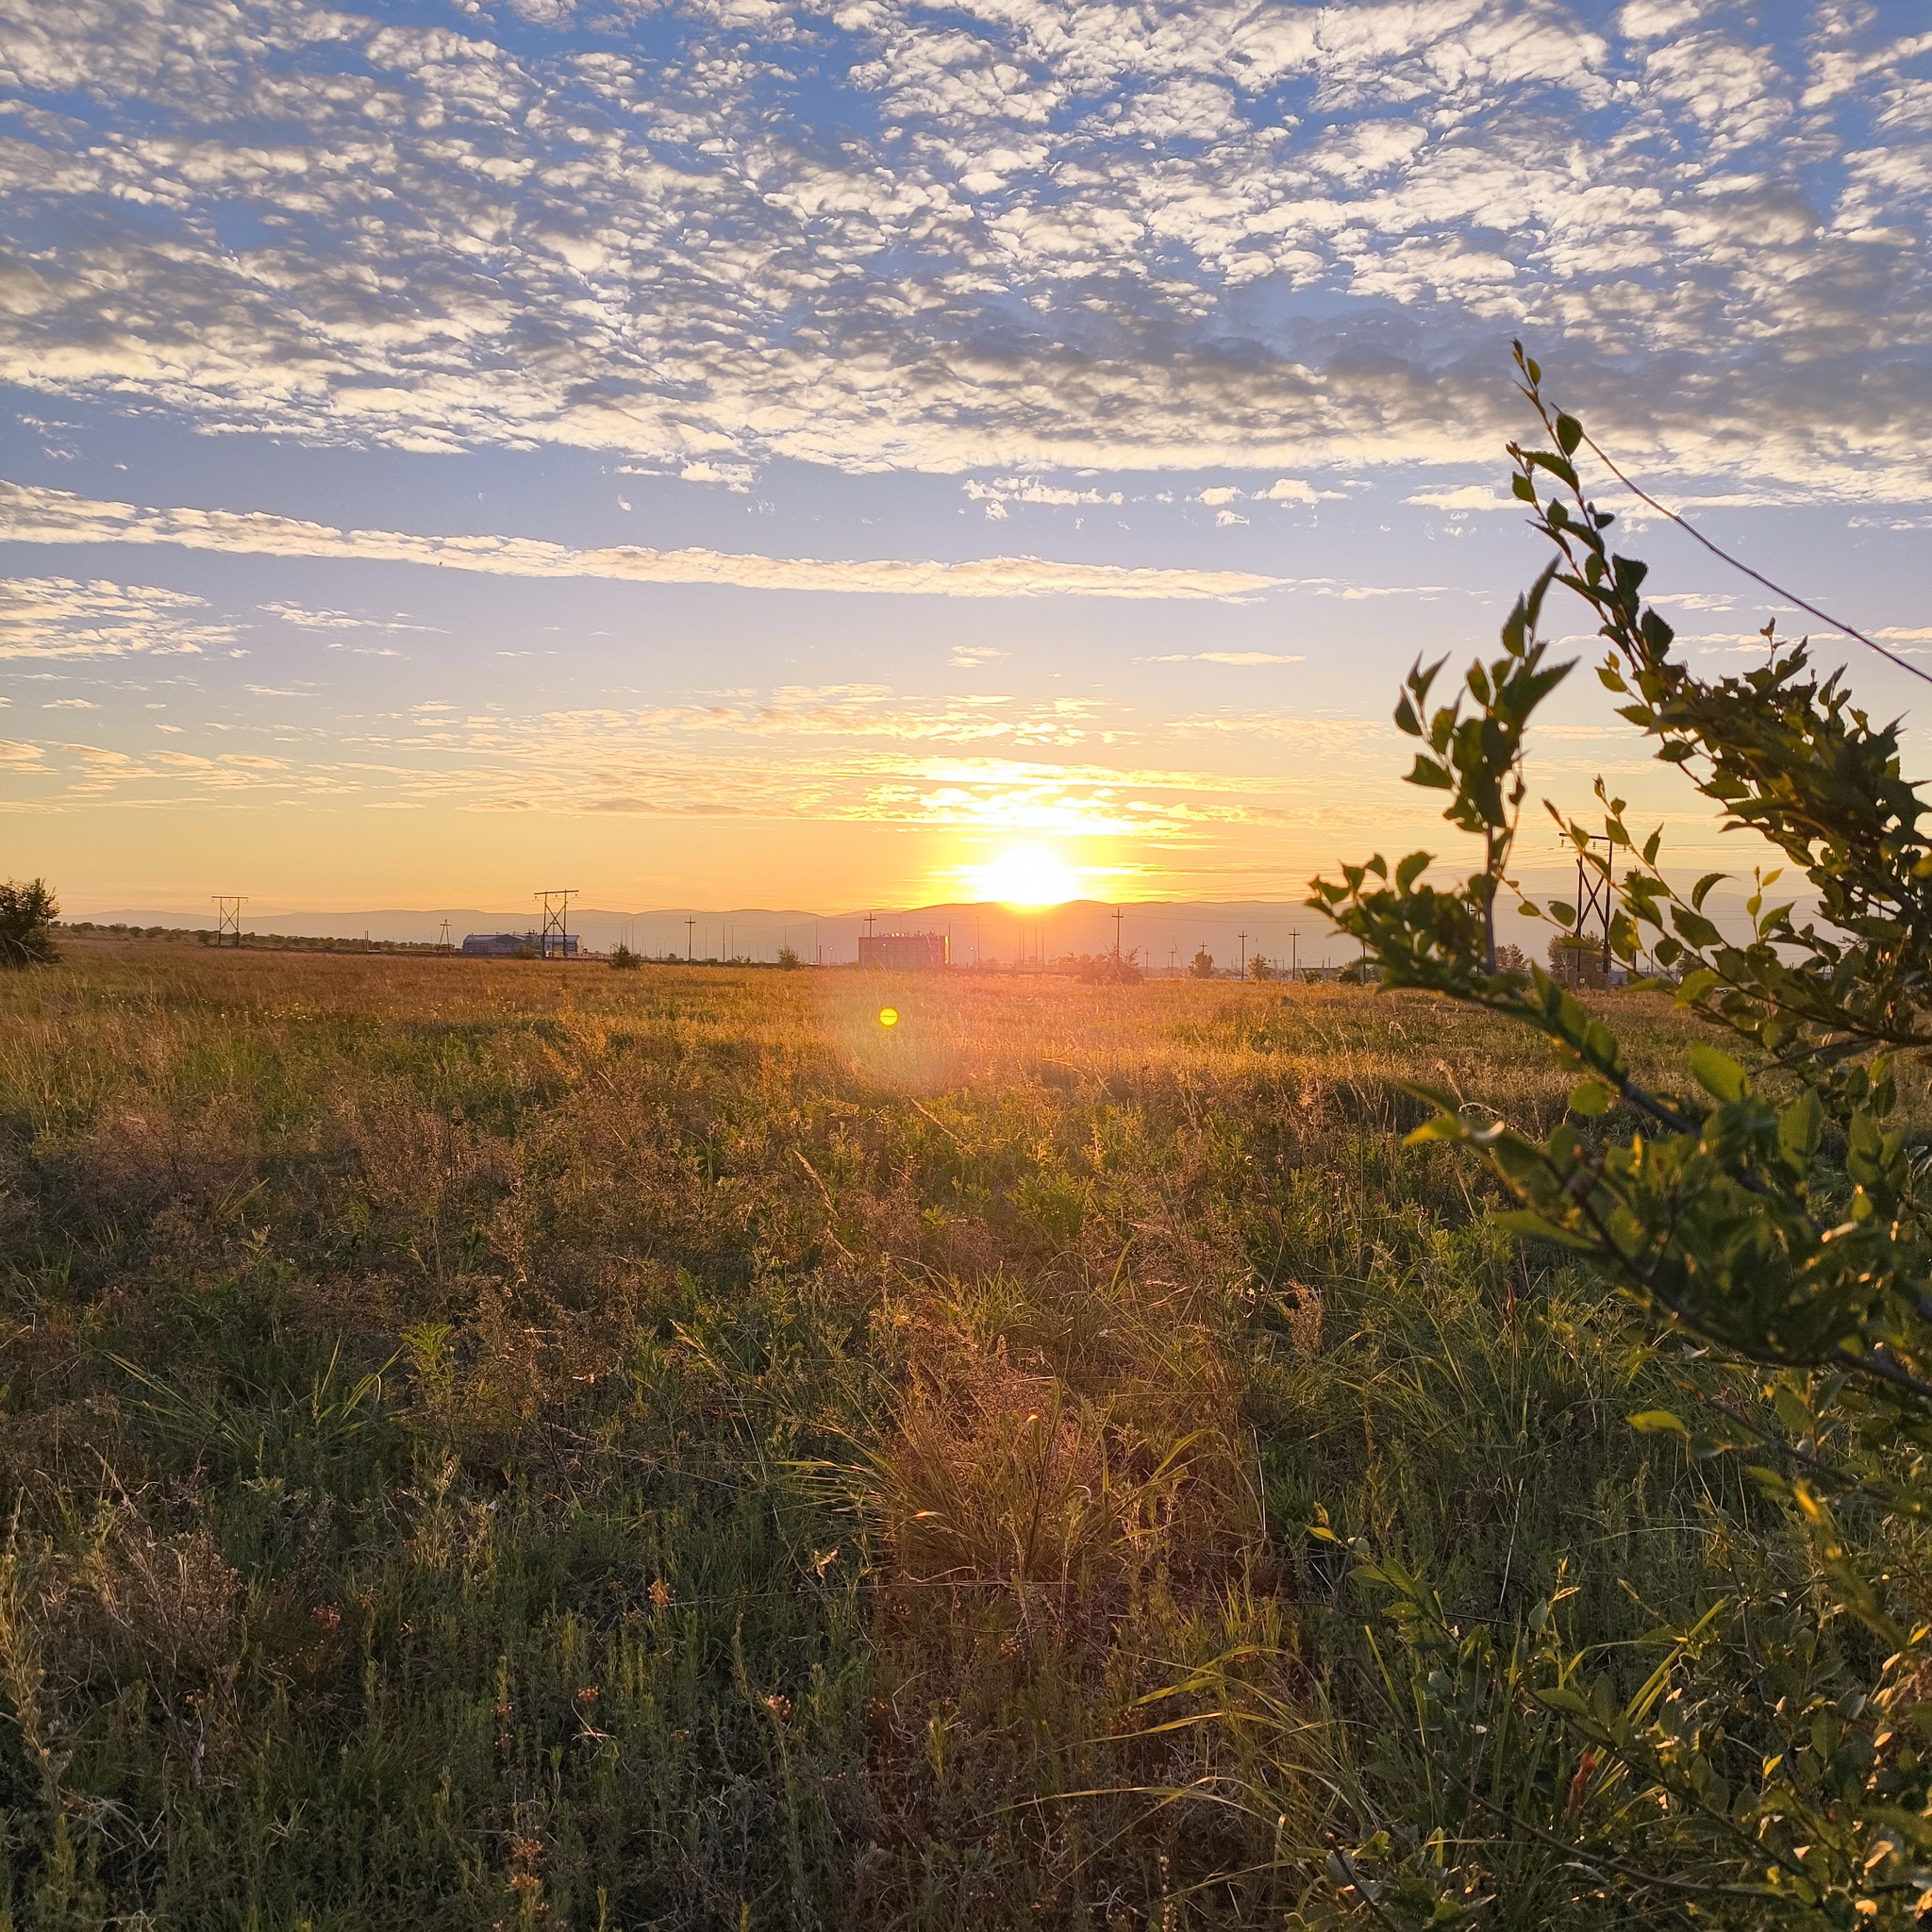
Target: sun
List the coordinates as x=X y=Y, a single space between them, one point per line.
x=1025 y=876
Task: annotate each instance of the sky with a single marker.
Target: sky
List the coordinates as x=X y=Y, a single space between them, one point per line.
x=826 y=453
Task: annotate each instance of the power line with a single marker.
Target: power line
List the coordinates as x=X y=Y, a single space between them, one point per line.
x=1755 y=577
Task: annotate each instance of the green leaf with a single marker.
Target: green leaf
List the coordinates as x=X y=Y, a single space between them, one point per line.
x=1659 y=1422
x=1411 y=869
x=1694 y=928
x=1569 y=434
x=1718 y=1074
x=1591 y=1098
x=1561 y=1697
x=1532 y=1227
x=1431 y=776
x=1800 y=1128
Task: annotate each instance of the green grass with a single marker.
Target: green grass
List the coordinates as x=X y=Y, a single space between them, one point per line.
x=490 y=1444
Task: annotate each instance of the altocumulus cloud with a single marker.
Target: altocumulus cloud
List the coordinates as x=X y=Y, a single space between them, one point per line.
x=1048 y=234
x=60 y=617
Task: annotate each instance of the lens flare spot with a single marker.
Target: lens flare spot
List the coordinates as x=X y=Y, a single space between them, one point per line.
x=889 y=1016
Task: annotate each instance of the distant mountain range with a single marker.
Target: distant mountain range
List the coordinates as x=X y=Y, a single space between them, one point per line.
x=1158 y=932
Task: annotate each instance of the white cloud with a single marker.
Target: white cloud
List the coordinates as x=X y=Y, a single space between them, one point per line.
x=62 y=617
x=1293 y=490
x=1045 y=255
x=1284 y=489
x=1463 y=496
x=338 y=619
x=738 y=476
x=1005 y=489
x=1228 y=658
x=36 y=515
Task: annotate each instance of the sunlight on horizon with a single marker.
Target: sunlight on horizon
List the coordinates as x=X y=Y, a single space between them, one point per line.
x=1024 y=876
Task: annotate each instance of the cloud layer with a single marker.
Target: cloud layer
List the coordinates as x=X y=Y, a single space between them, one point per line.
x=31 y=514
x=1016 y=235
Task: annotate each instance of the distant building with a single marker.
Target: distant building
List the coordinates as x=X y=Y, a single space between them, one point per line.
x=512 y=945
x=904 y=952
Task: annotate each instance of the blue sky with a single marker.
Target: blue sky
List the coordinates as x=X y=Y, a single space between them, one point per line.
x=751 y=452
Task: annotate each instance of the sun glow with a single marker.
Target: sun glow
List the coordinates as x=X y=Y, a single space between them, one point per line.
x=1025 y=876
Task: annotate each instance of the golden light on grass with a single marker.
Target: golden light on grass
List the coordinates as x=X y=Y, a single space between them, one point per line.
x=1025 y=876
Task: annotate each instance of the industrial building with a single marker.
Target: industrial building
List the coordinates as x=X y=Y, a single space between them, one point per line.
x=521 y=945
x=903 y=952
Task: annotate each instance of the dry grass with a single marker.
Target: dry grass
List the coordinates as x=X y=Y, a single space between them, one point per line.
x=423 y=1376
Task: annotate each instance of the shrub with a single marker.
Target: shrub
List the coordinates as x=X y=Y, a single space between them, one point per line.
x=1202 y=965
x=788 y=958
x=28 y=910
x=623 y=959
x=1767 y=1225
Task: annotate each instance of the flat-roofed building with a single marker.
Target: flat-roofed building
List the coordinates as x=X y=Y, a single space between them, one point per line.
x=521 y=945
x=904 y=952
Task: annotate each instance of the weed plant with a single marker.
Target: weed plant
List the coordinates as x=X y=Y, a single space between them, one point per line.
x=498 y=1445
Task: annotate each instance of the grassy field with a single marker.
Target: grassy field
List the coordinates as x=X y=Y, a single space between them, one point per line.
x=492 y=1445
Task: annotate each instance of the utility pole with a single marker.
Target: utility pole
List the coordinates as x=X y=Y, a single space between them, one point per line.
x=229 y=917
x=689 y=928
x=1117 y=916
x=1243 y=943
x=1174 y=954
x=1593 y=900
x=555 y=920
x=1295 y=940
x=447 y=944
